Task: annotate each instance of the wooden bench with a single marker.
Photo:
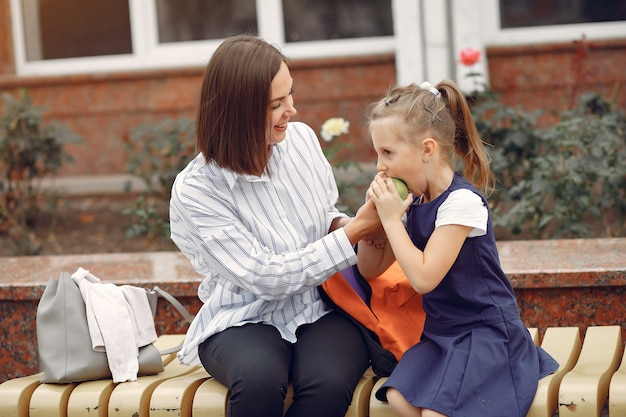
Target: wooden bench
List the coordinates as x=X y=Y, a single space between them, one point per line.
x=589 y=382
x=580 y=386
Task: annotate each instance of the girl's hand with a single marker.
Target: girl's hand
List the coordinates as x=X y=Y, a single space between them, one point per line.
x=385 y=196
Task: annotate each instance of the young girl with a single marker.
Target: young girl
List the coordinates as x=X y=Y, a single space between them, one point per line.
x=476 y=357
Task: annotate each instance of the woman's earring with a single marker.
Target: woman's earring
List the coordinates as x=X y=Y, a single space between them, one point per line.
x=425 y=161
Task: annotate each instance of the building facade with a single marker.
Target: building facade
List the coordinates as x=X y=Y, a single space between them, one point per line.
x=104 y=67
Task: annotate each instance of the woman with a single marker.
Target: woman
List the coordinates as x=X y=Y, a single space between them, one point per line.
x=255 y=214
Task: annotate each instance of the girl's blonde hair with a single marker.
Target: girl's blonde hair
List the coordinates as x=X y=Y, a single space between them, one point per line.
x=443 y=113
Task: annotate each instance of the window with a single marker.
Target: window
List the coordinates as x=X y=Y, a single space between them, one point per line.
x=313 y=20
x=524 y=13
x=508 y=22
x=197 y=20
x=93 y=28
x=73 y=36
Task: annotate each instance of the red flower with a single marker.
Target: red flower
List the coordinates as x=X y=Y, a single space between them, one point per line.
x=470 y=56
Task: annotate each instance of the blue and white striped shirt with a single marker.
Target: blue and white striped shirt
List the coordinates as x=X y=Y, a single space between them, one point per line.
x=261 y=242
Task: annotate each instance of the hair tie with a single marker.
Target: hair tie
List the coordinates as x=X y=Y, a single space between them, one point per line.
x=428 y=86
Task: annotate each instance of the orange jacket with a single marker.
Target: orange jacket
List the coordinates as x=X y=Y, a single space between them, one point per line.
x=394 y=312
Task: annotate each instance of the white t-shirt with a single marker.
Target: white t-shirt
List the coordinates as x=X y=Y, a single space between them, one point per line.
x=466 y=208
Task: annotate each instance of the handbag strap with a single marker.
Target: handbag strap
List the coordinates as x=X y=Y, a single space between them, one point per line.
x=177 y=304
x=180 y=308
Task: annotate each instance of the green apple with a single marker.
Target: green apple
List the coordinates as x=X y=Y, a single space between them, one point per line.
x=403 y=190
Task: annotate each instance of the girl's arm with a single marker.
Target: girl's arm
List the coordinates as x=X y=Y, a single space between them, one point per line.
x=424 y=270
x=374 y=257
x=374 y=252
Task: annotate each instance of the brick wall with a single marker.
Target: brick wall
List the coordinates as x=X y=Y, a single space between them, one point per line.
x=105 y=108
x=552 y=76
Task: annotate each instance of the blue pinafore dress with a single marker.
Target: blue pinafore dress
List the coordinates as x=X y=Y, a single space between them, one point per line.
x=475 y=357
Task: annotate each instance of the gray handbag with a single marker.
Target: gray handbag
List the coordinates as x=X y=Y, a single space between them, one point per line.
x=63 y=342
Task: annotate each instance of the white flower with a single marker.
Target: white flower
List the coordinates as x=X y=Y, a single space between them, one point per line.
x=333 y=127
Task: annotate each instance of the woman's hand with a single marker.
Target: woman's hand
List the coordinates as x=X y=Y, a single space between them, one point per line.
x=365 y=223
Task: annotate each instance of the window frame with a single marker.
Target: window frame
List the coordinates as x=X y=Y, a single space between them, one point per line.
x=476 y=24
x=497 y=36
x=149 y=54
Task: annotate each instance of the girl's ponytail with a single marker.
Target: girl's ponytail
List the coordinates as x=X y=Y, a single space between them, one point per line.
x=467 y=143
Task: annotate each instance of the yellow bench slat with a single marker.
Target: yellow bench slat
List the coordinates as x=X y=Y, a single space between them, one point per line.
x=585 y=388
x=209 y=399
x=50 y=400
x=91 y=398
x=168 y=341
x=563 y=344
x=380 y=408
x=534 y=334
x=361 y=397
x=617 y=391
x=133 y=398
x=15 y=395
x=173 y=397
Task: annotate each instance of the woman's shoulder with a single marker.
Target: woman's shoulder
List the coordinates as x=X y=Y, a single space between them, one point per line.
x=302 y=136
x=301 y=128
x=202 y=174
x=196 y=165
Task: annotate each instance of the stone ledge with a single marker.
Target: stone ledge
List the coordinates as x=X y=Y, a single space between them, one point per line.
x=577 y=282
x=564 y=262
x=25 y=277
x=572 y=263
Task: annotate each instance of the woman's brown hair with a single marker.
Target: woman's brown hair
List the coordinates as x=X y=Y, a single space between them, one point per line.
x=234 y=103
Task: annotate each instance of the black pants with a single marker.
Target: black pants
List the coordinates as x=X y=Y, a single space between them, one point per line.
x=256 y=365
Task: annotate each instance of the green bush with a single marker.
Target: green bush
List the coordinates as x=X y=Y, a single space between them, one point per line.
x=29 y=152
x=145 y=218
x=566 y=180
x=351 y=184
x=156 y=153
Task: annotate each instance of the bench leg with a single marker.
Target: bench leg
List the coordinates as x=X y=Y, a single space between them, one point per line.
x=585 y=388
x=617 y=391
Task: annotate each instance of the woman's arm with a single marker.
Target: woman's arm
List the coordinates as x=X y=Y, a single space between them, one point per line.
x=373 y=246
x=363 y=225
x=219 y=242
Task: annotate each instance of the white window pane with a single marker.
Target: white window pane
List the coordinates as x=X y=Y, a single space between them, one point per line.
x=195 y=20
x=119 y=35
x=312 y=20
x=525 y=13
x=56 y=29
